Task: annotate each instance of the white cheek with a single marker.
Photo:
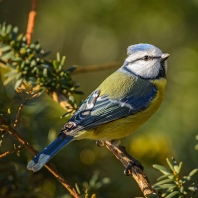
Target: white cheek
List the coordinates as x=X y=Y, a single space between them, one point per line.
x=137 y=67
x=145 y=69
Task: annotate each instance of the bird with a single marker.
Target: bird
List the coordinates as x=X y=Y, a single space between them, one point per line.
x=121 y=104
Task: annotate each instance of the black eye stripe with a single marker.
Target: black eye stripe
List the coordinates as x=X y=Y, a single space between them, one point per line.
x=149 y=58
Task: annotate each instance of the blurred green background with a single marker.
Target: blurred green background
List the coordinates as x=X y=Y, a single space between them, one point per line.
x=94 y=32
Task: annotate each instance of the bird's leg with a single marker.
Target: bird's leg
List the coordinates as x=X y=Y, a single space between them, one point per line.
x=116 y=143
x=99 y=143
x=120 y=152
x=127 y=169
x=131 y=163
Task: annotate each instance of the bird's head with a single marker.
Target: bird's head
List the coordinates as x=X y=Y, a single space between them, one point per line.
x=146 y=61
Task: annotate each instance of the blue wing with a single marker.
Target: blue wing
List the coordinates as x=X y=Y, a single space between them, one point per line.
x=98 y=110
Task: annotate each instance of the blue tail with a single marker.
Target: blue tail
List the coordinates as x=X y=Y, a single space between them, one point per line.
x=44 y=156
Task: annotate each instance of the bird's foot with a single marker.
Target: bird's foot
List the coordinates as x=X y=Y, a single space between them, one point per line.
x=100 y=143
x=116 y=143
x=132 y=163
x=127 y=169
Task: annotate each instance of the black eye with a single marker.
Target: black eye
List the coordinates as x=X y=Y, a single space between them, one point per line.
x=146 y=58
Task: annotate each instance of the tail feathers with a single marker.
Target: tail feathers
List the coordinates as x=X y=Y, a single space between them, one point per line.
x=44 y=156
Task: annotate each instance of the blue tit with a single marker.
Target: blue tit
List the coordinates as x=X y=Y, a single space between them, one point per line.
x=121 y=104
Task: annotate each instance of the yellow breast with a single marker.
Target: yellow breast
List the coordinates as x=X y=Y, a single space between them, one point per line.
x=123 y=127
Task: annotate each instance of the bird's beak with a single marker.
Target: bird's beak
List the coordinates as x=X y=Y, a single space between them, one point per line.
x=164 y=56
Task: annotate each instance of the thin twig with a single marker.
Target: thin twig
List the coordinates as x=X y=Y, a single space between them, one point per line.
x=18 y=114
x=11 y=151
x=7 y=153
x=31 y=19
x=94 y=68
x=12 y=131
x=136 y=172
x=21 y=107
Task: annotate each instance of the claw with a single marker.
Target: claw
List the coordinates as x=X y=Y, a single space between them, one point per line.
x=99 y=143
x=129 y=166
x=115 y=142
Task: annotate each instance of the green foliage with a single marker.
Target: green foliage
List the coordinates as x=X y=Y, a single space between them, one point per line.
x=71 y=107
x=14 y=182
x=92 y=186
x=27 y=91
x=172 y=184
x=27 y=63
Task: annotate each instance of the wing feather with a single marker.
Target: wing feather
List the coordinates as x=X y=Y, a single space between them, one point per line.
x=106 y=109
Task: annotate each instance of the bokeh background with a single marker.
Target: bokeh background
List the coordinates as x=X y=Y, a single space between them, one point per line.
x=95 y=32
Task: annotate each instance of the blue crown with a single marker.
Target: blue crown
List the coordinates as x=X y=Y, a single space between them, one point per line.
x=141 y=47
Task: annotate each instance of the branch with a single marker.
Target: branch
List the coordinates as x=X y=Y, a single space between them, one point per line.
x=5 y=126
x=11 y=151
x=136 y=172
x=18 y=114
x=7 y=153
x=94 y=68
x=31 y=20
